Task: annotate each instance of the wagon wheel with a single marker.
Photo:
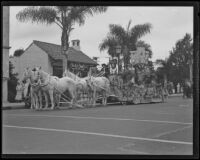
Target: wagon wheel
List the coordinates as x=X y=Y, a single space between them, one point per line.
x=27 y=101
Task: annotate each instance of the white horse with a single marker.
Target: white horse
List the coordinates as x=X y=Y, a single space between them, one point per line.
x=35 y=91
x=99 y=85
x=81 y=84
x=56 y=86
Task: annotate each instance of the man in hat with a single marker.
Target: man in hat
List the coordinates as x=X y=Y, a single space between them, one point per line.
x=113 y=67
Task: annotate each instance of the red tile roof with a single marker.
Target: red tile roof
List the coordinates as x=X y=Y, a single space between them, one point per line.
x=54 y=51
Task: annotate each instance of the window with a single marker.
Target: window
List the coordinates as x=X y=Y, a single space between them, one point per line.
x=58 y=71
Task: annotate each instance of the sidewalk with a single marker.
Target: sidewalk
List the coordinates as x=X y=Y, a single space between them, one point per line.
x=175 y=95
x=9 y=105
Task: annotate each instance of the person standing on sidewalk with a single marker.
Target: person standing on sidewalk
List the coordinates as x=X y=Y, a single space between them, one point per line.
x=19 y=89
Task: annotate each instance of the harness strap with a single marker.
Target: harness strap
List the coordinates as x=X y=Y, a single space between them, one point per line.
x=34 y=84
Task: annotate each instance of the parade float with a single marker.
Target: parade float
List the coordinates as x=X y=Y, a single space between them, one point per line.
x=128 y=84
x=135 y=84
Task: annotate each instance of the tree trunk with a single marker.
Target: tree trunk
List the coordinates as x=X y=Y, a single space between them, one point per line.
x=126 y=62
x=64 y=41
x=64 y=47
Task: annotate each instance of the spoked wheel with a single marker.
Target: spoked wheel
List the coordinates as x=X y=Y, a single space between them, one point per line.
x=27 y=101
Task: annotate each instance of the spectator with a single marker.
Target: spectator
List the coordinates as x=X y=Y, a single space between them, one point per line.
x=19 y=90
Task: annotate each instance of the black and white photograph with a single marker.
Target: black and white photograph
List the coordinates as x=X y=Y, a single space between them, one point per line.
x=98 y=80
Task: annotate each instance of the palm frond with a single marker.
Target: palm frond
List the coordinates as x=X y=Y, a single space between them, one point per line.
x=107 y=42
x=79 y=14
x=37 y=14
x=140 y=30
x=61 y=9
x=118 y=31
x=128 y=26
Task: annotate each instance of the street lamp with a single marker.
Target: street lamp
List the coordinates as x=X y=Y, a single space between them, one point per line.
x=118 y=52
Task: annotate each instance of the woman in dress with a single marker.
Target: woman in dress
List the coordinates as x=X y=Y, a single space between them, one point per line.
x=19 y=89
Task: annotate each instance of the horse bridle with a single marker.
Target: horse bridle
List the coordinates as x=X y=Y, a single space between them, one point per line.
x=36 y=83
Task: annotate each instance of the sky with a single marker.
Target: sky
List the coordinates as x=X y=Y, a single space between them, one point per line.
x=169 y=25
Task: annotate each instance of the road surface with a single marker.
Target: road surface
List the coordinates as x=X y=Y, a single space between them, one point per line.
x=160 y=128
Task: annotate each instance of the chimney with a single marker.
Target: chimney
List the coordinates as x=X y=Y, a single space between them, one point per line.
x=76 y=44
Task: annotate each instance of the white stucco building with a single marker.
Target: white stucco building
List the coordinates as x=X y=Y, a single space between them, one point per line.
x=49 y=57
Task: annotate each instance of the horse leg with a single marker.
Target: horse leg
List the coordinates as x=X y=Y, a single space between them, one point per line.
x=59 y=100
x=106 y=98
x=32 y=100
x=46 y=100
x=103 y=98
x=73 y=101
x=94 y=97
x=57 y=97
x=52 y=98
x=74 y=97
x=36 y=101
x=40 y=99
x=90 y=97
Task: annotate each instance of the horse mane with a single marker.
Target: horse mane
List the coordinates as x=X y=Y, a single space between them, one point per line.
x=71 y=75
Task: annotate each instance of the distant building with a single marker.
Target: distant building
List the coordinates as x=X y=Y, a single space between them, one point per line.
x=49 y=57
x=5 y=55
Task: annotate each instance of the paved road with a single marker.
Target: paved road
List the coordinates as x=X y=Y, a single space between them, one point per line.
x=161 y=128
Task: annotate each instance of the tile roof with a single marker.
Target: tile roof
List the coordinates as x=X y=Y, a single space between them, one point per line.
x=54 y=51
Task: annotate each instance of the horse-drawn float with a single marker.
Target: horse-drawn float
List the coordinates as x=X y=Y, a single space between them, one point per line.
x=47 y=90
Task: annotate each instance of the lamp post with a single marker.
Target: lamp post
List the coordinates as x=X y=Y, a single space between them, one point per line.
x=118 y=52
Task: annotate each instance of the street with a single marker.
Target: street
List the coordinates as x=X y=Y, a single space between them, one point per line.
x=158 y=129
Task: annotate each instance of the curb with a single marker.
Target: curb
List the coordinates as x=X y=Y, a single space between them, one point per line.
x=177 y=95
x=8 y=107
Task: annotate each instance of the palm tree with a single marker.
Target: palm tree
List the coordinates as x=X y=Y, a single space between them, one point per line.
x=110 y=44
x=63 y=16
x=125 y=37
x=164 y=68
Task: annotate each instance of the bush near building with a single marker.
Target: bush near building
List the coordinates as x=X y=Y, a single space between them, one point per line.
x=12 y=83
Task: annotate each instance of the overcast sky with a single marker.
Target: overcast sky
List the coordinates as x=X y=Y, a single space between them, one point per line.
x=169 y=25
